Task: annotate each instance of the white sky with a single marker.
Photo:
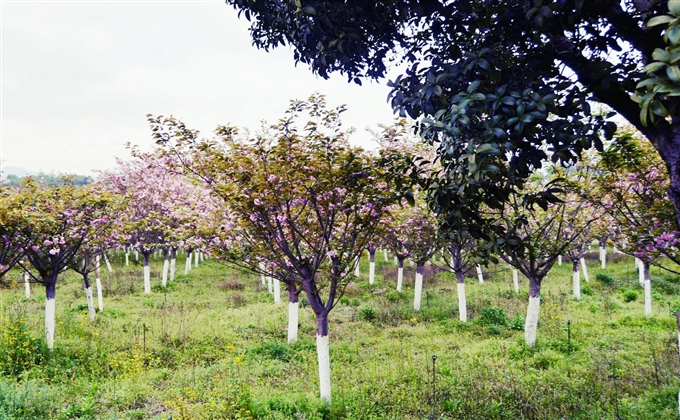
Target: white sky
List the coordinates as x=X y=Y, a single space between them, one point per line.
x=79 y=77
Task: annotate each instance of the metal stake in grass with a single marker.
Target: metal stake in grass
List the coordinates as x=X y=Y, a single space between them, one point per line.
x=144 y=338
x=434 y=387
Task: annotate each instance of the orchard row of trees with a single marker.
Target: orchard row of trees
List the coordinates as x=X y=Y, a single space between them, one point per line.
x=299 y=204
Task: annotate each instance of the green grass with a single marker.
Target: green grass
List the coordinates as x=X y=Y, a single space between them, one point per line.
x=212 y=345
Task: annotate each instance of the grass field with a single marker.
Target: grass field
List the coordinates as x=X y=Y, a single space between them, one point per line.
x=212 y=345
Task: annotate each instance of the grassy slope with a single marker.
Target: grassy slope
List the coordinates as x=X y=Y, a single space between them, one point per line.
x=213 y=345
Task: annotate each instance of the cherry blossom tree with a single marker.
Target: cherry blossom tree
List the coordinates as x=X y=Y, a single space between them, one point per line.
x=65 y=218
x=300 y=203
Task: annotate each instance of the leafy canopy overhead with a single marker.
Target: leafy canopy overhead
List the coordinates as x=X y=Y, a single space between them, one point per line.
x=498 y=86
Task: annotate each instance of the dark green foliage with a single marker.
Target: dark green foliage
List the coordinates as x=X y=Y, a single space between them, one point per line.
x=629 y=296
x=587 y=290
x=492 y=315
x=605 y=279
x=367 y=314
x=517 y=323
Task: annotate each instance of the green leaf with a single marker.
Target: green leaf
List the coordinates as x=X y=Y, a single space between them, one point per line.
x=674 y=7
x=659 y=20
x=673 y=73
x=673 y=34
x=661 y=55
x=654 y=66
x=473 y=86
x=659 y=109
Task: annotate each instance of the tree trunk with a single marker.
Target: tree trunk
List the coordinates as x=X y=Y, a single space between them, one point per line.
x=108 y=264
x=173 y=264
x=98 y=283
x=641 y=271
x=559 y=260
x=293 y=311
x=261 y=266
x=515 y=279
x=324 y=357
x=276 y=284
x=88 y=296
x=385 y=255
x=357 y=268
x=166 y=267
x=400 y=274
x=127 y=257
x=480 y=276
x=27 y=285
x=585 y=270
x=577 y=281
x=531 y=323
x=648 y=289
x=270 y=286
x=603 y=253
x=462 y=300
x=147 y=273
x=196 y=259
x=418 y=287
x=187 y=263
x=50 y=309
x=371 y=267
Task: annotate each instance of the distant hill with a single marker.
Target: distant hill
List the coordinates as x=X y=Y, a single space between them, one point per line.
x=15 y=170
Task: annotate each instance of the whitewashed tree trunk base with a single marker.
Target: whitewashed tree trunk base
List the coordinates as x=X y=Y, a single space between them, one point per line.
x=531 y=323
x=90 y=303
x=50 y=308
x=277 y=291
x=480 y=276
x=173 y=268
x=418 y=292
x=100 y=297
x=603 y=257
x=385 y=255
x=357 y=269
x=323 y=354
x=187 y=265
x=108 y=264
x=648 y=298
x=166 y=270
x=270 y=286
x=293 y=317
x=641 y=273
x=585 y=270
x=462 y=302
x=27 y=286
x=577 y=285
x=196 y=259
x=127 y=258
x=147 y=279
x=371 y=273
x=559 y=260
x=400 y=278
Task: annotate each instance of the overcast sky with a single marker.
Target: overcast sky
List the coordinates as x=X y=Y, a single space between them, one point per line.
x=78 y=78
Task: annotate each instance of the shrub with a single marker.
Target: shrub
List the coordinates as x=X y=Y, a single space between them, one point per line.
x=630 y=296
x=605 y=279
x=587 y=290
x=517 y=323
x=395 y=296
x=493 y=315
x=367 y=314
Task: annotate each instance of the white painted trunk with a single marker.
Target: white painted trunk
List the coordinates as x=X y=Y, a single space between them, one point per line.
x=196 y=258
x=603 y=257
x=293 y=309
x=585 y=270
x=324 y=356
x=385 y=255
x=577 y=284
x=371 y=272
x=400 y=278
x=100 y=297
x=410 y=262
x=166 y=270
x=531 y=323
x=637 y=263
x=187 y=264
x=515 y=279
x=27 y=285
x=641 y=273
x=50 y=306
x=261 y=265
x=136 y=255
x=90 y=302
x=173 y=268
x=357 y=269
x=108 y=264
x=396 y=260
x=127 y=258
x=462 y=302
x=277 y=290
x=147 y=279
x=201 y=256
x=480 y=276
x=559 y=260
x=418 y=292
x=270 y=286
x=648 y=298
